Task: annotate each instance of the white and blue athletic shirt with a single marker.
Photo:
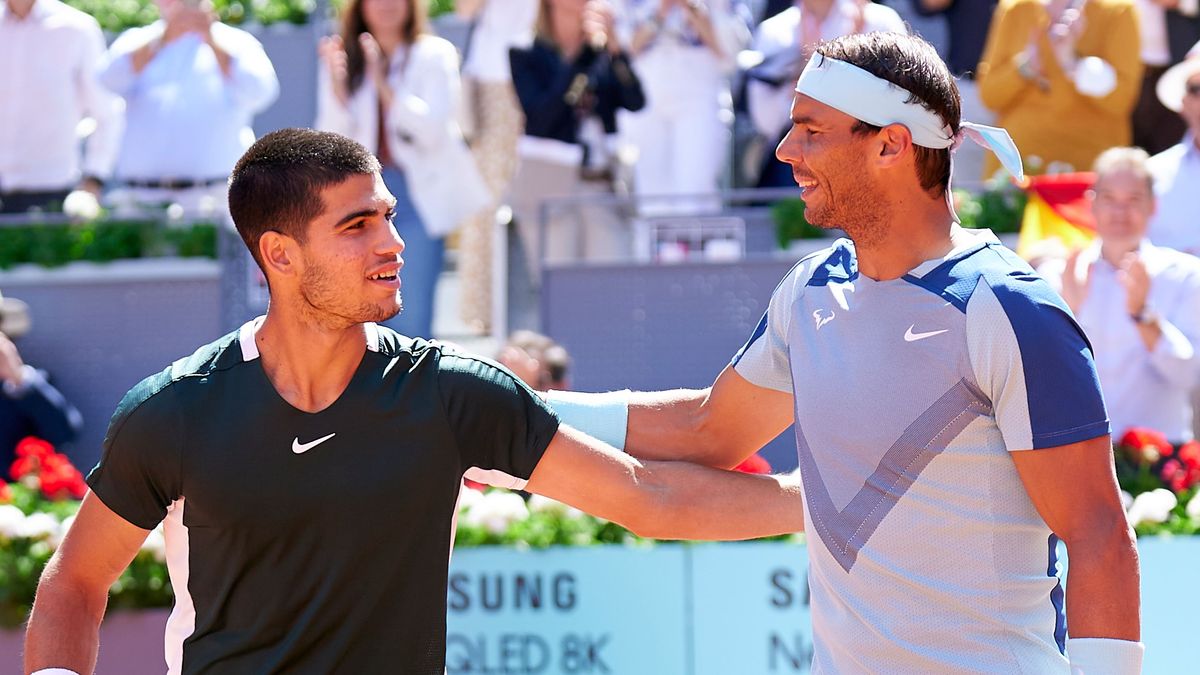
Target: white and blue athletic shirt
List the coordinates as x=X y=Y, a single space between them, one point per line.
x=926 y=553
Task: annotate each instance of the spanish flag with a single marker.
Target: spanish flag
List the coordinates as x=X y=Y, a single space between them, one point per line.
x=1057 y=208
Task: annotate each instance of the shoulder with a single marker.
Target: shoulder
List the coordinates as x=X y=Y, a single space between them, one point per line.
x=882 y=17
x=1014 y=8
x=153 y=401
x=236 y=36
x=1110 y=6
x=63 y=13
x=1167 y=160
x=135 y=37
x=1000 y=286
x=781 y=23
x=433 y=47
x=1177 y=264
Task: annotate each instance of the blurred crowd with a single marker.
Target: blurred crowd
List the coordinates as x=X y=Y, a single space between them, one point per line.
x=669 y=100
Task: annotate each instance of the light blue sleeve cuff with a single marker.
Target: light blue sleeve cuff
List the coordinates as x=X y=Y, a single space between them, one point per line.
x=1105 y=656
x=602 y=416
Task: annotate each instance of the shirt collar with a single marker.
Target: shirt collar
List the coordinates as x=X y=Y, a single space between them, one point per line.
x=1189 y=145
x=1146 y=251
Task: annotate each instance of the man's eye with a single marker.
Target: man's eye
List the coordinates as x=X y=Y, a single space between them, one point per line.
x=356 y=225
x=391 y=216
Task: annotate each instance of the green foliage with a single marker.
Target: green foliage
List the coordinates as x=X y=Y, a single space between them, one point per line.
x=999 y=208
x=144 y=584
x=54 y=245
x=118 y=15
x=790 y=222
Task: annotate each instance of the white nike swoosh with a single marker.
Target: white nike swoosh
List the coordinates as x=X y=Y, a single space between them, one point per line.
x=910 y=336
x=301 y=448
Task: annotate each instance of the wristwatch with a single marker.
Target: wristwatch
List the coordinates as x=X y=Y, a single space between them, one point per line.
x=1146 y=317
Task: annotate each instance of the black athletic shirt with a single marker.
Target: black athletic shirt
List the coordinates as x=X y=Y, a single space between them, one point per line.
x=313 y=543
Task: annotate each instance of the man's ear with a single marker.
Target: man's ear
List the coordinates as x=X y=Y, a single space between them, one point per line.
x=279 y=252
x=894 y=141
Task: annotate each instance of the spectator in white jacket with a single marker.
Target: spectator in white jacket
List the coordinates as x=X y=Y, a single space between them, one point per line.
x=394 y=88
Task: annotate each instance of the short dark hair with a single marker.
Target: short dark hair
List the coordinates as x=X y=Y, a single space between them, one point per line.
x=277 y=184
x=912 y=64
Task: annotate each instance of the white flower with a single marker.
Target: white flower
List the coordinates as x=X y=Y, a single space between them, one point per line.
x=467 y=498
x=55 y=539
x=38 y=526
x=542 y=504
x=1126 y=500
x=1193 y=507
x=155 y=544
x=81 y=205
x=1152 y=507
x=497 y=511
x=11 y=519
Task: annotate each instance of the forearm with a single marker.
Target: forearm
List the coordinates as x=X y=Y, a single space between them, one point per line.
x=697 y=502
x=1102 y=587
x=701 y=21
x=668 y=425
x=64 y=627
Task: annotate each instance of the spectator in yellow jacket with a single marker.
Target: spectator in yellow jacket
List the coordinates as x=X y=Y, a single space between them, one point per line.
x=1062 y=76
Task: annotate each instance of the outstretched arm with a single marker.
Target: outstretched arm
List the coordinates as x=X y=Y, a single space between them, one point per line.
x=665 y=500
x=64 y=628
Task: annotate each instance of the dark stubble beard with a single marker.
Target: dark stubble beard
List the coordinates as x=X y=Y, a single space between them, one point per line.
x=855 y=209
x=322 y=303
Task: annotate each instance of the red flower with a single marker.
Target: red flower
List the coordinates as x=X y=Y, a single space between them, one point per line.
x=60 y=479
x=1189 y=454
x=1147 y=444
x=5 y=493
x=31 y=446
x=24 y=466
x=754 y=464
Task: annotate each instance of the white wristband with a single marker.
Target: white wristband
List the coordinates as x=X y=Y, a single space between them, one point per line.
x=54 y=671
x=603 y=416
x=1105 y=656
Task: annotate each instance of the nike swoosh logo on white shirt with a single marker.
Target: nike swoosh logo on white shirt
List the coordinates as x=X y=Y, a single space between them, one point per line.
x=910 y=336
x=301 y=448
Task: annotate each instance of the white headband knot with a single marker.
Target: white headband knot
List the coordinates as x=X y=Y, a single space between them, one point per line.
x=863 y=96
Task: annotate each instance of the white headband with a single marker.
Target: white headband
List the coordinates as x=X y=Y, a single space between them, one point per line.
x=876 y=101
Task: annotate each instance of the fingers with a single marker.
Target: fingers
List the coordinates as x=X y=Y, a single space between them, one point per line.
x=371 y=50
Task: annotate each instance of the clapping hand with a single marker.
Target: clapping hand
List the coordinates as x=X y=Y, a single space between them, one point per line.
x=11 y=365
x=1136 y=281
x=599 y=25
x=332 y=53
x=1075 y=281
x=376 y=66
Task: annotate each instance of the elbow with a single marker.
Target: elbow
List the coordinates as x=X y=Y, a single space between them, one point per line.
x=649 y=513
x=1106 y=538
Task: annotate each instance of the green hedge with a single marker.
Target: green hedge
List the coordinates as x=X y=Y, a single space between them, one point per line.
x=54 y=245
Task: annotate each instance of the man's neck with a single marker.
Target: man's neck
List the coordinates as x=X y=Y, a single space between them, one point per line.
x=914 y=233
x=821 y=8
x=309 y=365
x=21 y=8
x=1114 y=253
